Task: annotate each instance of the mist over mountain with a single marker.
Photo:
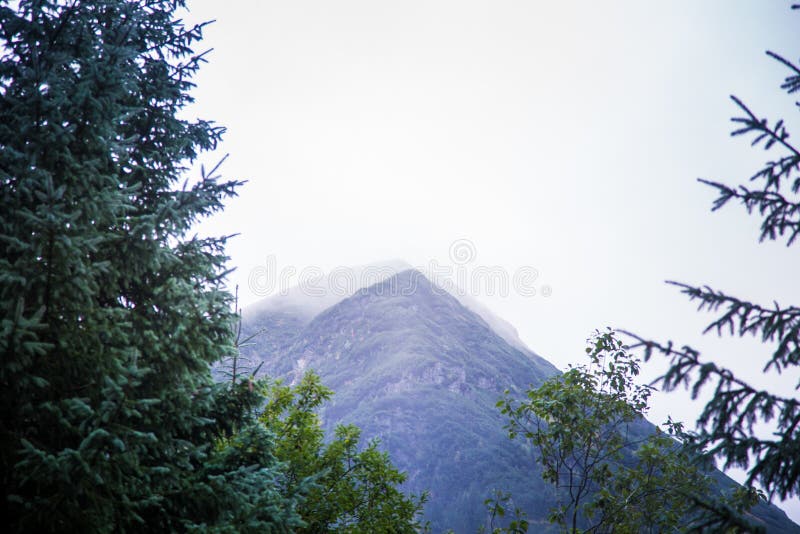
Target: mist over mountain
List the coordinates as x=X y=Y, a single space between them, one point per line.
x=420 y=369
x=303 y=302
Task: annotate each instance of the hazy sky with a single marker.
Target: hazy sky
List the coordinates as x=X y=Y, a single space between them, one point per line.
x=562 y=136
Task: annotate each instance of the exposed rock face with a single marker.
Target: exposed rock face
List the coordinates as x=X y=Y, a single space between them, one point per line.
x=413 y=366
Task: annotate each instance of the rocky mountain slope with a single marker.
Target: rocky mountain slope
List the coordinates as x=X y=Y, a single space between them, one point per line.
x=413 y=366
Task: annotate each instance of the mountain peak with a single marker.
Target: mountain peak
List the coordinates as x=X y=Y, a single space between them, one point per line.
x=413 y=366
x=303 y=302
x=403 y=283
x=306 y=300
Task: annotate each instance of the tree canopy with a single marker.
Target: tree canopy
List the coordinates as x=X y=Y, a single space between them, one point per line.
x=354 y=488
x=612 y=472
x=111 y=310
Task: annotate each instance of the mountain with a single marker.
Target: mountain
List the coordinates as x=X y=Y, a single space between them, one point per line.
x=303 y=302
x=421 y=370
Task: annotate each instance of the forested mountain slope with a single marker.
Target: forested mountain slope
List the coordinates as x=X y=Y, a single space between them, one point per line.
x=413 y=366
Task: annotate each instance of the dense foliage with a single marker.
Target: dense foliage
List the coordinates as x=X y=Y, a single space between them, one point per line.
x=354 y=488
x=725 y=428
x=110 y=313
x=612 y=473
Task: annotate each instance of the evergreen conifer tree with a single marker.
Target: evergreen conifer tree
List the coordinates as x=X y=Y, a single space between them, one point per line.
x=110 y=311
x=725 y=427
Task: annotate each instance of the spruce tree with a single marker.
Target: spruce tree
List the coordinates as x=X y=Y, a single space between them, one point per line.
x=725 y=427
x=110 y=309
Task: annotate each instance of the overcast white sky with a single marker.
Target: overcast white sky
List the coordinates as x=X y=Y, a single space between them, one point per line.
x=565 y=136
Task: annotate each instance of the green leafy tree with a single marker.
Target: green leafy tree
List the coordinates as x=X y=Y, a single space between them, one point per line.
x=355 y=488
x=611 y=472
x=110 y=311
x=725 y=425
